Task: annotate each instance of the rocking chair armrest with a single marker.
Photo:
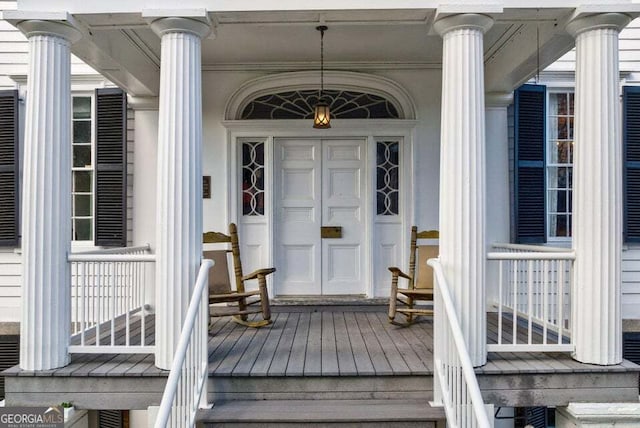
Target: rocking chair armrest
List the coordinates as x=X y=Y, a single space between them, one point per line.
x=257 y=273
x=397 y=272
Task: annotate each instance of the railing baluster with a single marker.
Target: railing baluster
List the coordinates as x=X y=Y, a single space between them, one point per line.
x=530 y=302
x=545 y=298
x=561 y=303
x=514 y=339
x=500 y=279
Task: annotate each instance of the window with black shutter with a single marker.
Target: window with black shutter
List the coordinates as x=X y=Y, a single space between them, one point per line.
x=631 y=170
x=9 y=169
x=111 y=168
x=529 y=106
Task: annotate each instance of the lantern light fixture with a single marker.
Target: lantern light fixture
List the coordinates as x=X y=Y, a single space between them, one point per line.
x=321 y=116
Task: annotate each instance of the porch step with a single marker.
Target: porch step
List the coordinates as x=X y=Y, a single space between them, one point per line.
x=338 y=413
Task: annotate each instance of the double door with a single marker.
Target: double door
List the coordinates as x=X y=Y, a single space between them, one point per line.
x=320 y=211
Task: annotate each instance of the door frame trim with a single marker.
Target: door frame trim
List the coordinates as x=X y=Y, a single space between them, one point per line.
x=371 y=130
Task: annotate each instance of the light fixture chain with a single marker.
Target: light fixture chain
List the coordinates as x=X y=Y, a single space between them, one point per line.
x=321 y=63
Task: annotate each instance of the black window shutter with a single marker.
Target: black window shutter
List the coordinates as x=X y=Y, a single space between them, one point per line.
x=9 y=169
x=631 y=169
x=631 y=348
x=9 y=357
x=529 y=106
x=111 y=168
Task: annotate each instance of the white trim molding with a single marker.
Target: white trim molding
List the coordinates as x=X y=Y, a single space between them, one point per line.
x=300 y=80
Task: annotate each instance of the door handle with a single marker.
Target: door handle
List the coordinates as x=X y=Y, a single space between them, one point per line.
x=331 y=232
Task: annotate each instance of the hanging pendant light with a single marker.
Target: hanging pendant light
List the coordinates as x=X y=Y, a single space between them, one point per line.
x=321 y=116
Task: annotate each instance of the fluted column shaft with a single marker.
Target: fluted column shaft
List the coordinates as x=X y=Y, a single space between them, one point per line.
x=179 y=197
x=597 y=191
x=46 y=210
x=462 y=175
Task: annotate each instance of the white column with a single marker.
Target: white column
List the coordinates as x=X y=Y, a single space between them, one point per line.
x=597 y=190
x=179 y=197
x=46 y=196
x=462 y=175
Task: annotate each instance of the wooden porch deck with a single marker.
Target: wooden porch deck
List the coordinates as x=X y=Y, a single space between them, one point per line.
x=330 y=352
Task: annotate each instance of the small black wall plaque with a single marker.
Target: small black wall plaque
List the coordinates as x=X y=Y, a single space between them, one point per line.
x=206 y=187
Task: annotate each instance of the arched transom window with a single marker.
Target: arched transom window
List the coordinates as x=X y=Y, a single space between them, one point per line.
x=299 y=105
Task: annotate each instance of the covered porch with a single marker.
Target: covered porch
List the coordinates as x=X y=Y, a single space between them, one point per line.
x=184 y=69
x=325 y=353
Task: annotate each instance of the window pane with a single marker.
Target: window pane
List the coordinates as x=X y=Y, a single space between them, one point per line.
x=570 y=127
x=82 y=107
x=253 y=178
x=82 y=229
x=552 y=128
x=82 y=206
x=563 y=133
x=81 y=156
x=82 y=131
x=387 y=178
x=82 y=181
x=571 y=101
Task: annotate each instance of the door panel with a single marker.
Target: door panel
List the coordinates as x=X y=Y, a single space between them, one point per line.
x=297 y=217
x=319 y=183
x=342 y=205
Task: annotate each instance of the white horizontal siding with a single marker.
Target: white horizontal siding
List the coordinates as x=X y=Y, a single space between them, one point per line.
x=14 y=50
x=10 y=286
x=629 y=51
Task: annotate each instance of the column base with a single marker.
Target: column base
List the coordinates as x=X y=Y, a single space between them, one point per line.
x=600 y=415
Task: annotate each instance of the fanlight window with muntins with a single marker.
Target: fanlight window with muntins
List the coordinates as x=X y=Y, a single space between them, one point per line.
x=300 y=104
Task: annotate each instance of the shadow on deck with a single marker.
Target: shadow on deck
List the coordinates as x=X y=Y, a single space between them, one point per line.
x=332 y=353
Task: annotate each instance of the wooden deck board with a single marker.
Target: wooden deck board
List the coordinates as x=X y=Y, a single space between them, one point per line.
x=265 y=357
x=364 y=366
x=378 y=358
x=408 y=353
x=283 y=350
x=329 y=348
x=313 y=357
x=396 y=361
x=346 y=361
x=295 y=366
x=248 y=358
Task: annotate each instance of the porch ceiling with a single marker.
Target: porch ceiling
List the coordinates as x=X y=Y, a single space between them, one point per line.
x=123 y=47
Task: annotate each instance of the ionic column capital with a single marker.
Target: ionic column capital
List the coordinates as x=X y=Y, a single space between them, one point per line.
x=463 y=21
x=41 y=27
x=175 y=24
x=616 y=21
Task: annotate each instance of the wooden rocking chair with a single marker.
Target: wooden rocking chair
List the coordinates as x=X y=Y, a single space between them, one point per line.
x=419 y=284
x=220 y=285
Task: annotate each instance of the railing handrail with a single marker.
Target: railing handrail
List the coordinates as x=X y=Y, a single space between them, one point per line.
x=85 y=257
x=467 y=368
x=539 y=255
x=181 y=350
x=118 y=250
x=535 y=248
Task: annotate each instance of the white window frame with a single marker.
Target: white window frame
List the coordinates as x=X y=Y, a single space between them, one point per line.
x=92 y=169
x=549 y=143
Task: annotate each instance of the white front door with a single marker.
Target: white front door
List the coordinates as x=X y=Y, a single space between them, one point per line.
x=319 y=183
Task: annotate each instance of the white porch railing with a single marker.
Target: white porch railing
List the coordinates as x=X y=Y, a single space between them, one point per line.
x=533 y=300
x=108 y=294
x=455 y=383
x=186 y=388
